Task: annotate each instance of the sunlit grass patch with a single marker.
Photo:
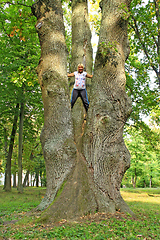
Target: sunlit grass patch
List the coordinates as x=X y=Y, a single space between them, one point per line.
x=141 y=202
x=148 y=197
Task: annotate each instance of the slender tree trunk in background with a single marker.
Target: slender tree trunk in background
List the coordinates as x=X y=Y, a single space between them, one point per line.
x=8 y=165
x=6 y=154
x=26 y=179
x=57 y=135
x=105 y=152
x=92 y=177
x=40 y=174
x=150 y=182
x=31 y=180
x=34 y=180
x=134 y=181
x=5 y=143
x=37 y=177
x=20 y=186
x=14 y=177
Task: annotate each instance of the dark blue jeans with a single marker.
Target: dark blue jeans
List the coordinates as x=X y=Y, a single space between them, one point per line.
x=82 y=93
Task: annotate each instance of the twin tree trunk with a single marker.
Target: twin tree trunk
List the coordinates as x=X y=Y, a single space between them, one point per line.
x=86 y=160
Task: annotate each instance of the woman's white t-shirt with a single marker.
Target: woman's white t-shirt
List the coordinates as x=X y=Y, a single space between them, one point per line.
x=80 y=80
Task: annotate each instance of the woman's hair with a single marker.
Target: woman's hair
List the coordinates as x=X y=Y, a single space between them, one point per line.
x=80 y=64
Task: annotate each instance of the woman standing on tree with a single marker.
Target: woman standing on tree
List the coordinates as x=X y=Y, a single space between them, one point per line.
x=79 y=89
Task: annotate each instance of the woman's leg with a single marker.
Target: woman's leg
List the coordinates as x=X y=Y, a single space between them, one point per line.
x=74 y=97
x=84 y=97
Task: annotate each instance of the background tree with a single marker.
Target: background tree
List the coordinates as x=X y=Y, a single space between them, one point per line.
x=144 y=151
x=145 y=24
x=7 y=185
x=142 y=73
x=19 y=57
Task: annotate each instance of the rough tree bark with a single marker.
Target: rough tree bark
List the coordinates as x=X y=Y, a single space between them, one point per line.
x=57 y=135
x=81 y=36
x=104 y=148
x=89 y=180
x=81 y=53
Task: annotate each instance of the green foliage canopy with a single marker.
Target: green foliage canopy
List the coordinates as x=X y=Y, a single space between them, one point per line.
x=19 y=56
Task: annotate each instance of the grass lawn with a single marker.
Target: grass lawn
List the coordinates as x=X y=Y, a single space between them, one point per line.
x=18 y=223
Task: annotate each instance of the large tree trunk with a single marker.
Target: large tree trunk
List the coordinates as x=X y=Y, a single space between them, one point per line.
x=57 y=135
x=92 y=178
x=104 y=148
x=81 y=36
x=81 y=53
